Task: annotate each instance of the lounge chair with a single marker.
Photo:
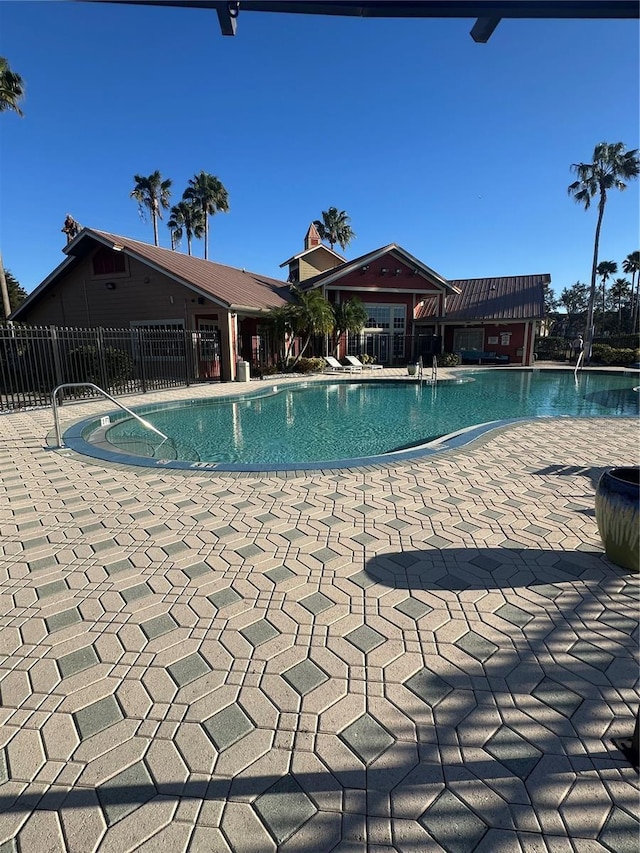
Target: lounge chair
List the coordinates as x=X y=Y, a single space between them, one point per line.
x=334 y=365
x=355 y=361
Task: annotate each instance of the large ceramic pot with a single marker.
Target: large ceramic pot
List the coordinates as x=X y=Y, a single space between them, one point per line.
x=617 y=514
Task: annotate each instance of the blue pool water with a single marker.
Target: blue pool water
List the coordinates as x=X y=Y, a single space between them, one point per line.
x=338 y=420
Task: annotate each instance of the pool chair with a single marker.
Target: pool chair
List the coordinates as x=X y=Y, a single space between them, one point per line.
x=355 y=361
x=334 y=365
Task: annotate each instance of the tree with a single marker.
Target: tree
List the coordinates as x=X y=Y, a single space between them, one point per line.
x=334 y=227
x=611 y=166
x=11 y=88
x=11 y=92
x=311 y=315
x=575 y=300
x=186 y=218
x=605 y=270
x=619 y=291
x=152 y=194
x=17 y=294
x=631 y=264
x=207 y=192
x=350 y=316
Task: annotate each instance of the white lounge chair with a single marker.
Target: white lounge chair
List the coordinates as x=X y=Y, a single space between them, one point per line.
x=334 y=365
x=355 y=361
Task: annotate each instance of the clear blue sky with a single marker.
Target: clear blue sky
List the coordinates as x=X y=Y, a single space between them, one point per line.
x=459 y=152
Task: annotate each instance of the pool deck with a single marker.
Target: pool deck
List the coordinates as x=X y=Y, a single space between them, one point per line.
x=429 y=655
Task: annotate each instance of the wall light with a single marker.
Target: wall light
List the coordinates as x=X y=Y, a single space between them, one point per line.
x=110 y=285
x=397 y=271
x=415 y=271
x=384 y=270
x=364 y=269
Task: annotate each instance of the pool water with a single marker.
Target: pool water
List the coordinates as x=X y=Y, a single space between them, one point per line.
x=326 y=421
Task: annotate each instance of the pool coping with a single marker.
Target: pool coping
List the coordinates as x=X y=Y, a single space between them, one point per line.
x=74 y=440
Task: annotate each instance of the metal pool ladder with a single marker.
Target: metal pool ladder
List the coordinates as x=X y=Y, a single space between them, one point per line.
x=56 y=418
x=434 y=371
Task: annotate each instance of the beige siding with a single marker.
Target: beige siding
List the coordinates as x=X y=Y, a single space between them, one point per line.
x=81 y=299
x=317 y=262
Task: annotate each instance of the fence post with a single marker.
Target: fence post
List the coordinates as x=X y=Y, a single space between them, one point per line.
x=143 y=373
x=186 y=354
x=55 y=351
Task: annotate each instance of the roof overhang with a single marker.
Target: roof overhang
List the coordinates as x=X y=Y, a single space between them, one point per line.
x=487 y=12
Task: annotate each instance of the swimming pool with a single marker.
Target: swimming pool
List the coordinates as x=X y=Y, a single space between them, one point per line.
x=345 y=423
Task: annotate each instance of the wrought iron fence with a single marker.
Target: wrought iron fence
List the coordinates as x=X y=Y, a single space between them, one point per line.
x=34 y=359
x=392 y=350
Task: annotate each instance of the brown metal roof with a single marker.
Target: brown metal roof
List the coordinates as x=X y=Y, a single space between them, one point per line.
x=515 y=297
x=229 y=286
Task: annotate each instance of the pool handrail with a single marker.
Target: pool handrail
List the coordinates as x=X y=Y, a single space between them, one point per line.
x=56 y=418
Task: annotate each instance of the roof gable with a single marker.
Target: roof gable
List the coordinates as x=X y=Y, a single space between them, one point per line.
x=230 y=287
x=364 y=262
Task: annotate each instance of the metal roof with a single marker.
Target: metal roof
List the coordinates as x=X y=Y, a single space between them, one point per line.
x=515 y=297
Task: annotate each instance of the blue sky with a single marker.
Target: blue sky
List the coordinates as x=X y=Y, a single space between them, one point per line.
x=459 y=152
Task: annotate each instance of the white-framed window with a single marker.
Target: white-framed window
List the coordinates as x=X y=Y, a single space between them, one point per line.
x=163 y=339
x=466 y=339
x=386 y=318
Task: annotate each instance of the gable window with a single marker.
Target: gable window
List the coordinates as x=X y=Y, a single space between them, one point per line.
x=107 y=262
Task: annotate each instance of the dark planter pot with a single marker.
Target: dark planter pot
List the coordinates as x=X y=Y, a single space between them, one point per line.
x=617 y=514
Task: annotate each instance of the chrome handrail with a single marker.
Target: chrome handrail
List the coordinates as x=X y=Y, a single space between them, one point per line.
x=434 y=370
x=420 y=370
x=56 y=419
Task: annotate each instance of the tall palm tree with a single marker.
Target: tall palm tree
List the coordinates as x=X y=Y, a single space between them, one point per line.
x=11 y=88
x=152 y=194
x=605 y=270
x=208 y=192
x=619 y=291
x=334 y=227
x=186 y=218
x=631 y=264
x=611 y=166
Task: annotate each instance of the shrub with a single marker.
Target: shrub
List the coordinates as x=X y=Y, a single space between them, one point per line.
x=85 y=365
x=308 y=365
x=365 y=358
x=622 y=356
x=448 y=359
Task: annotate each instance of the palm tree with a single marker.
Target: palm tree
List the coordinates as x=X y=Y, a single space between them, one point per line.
x=11 y=88
x=611 y=166
x=311 y=315
x=631 y=264
x=152 y=194
x=186 y=218
x=209 y=194
x=350 y=316
x=334 y=228
x=618 y=291
x=605 y=269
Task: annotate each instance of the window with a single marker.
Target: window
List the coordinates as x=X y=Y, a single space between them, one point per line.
x=107 y=262
x=465 y=339
x=386 y=317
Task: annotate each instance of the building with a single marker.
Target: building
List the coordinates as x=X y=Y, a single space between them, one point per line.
x=111 y=281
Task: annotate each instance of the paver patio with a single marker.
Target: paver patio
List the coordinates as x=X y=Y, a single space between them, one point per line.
x=431 y=655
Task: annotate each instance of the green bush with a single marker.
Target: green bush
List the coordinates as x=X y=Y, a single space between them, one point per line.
x=365 y=358
x=448 y=359
x=605 y=354
x=85 y=366
x=308 y=365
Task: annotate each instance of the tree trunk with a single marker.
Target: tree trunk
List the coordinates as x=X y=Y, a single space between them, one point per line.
x=206 y=237
x=6 y=305
x=155 y=227
x=189 y=243
x=592 y=290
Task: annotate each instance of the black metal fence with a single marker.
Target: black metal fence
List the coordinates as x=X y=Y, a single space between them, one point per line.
x=35 y=359
x=392 y=350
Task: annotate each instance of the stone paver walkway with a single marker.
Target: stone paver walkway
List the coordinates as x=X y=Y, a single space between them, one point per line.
x=427 y=656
